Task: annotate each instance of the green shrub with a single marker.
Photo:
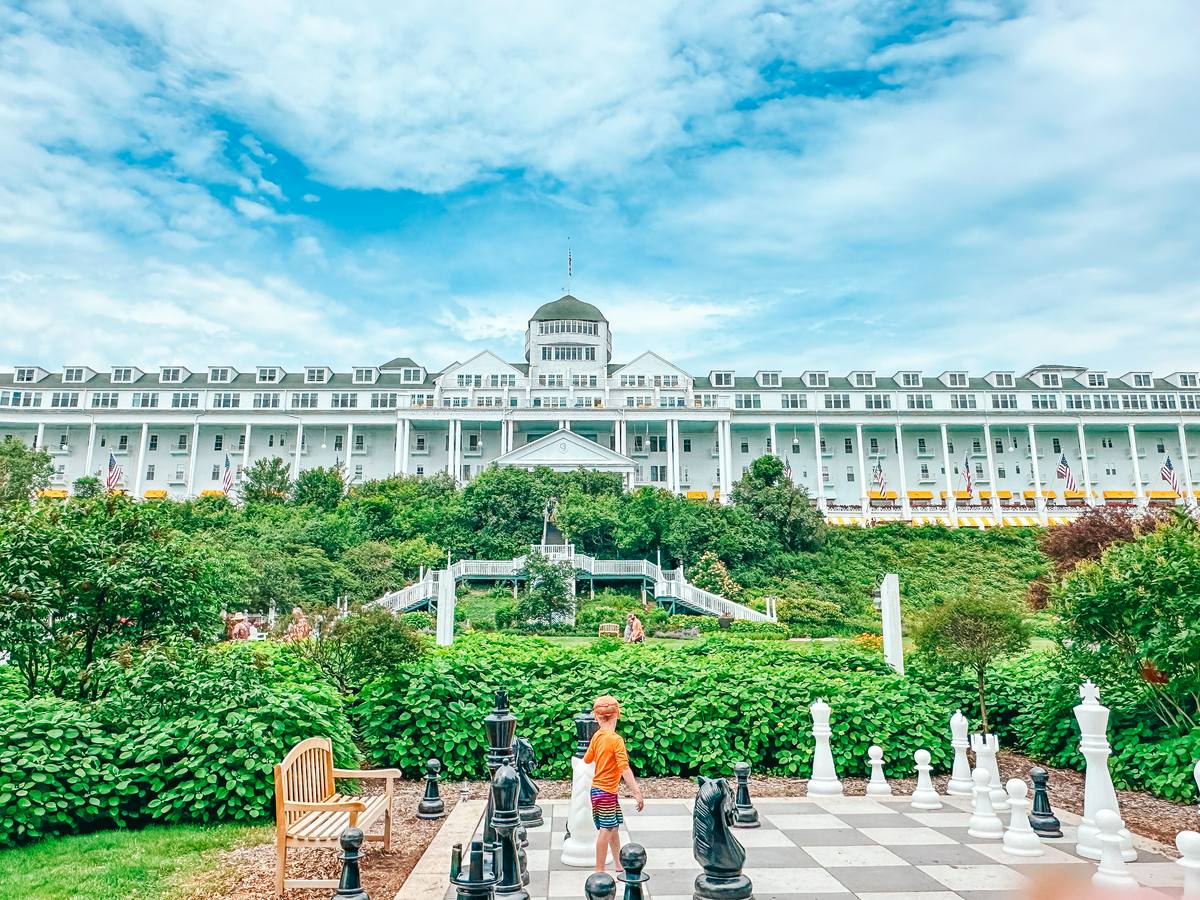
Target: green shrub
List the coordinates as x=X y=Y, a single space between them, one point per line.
x=760 y=631
x=417 y=621
x=684 y=622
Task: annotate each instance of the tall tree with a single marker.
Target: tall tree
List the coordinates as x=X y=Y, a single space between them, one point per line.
x=769 y=495
x=23 y=471
x=320 y=487
x=268 y=480
x=547 y=595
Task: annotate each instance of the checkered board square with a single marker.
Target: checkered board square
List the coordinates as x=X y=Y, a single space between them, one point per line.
x=838 y=848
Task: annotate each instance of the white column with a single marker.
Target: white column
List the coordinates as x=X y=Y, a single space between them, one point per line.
x=1038 y=500
x=1137 y=467
x=246 y=451
x=623 y=437
x=406 y=448
x=39 y=440
x=450 y=448
x=349 y=447
x=398 y=451
x=296 y=453
x=863 y=485
x=991 y=461
x=774 y=442
x=195 y=453
x=458 y=450
x=905 y=510
x=948 y=478
x=91 y=447
x=821 y=502
x=722 y=462
x=141 y=460
x=673 y=444
x=1085 y=469
x=1187 y=466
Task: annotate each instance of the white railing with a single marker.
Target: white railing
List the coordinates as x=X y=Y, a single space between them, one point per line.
x=704 y=601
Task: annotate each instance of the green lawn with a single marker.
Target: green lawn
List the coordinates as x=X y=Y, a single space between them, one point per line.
x=151 y=864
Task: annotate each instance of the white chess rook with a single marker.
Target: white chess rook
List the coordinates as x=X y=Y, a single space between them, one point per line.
x=877 y=786
x=1098 y=790
x=579 y=849
x=1188 y=843
x=984 y=822
x=824 y=781
x=986 y=746
x=1020 y=839
x=1113 y=872
x=924 y=796
x=960 y=784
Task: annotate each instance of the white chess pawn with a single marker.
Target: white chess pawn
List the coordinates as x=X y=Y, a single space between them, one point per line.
x=1113 y=872
x=960 y=784
x=824 y=781
x=984 y=822
x=924 y=796
x=878 y=785
x=1188 y=843
x=986 y=746
x=1020 y=839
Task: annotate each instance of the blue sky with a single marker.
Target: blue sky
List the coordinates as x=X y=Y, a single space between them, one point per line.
x=830 y=183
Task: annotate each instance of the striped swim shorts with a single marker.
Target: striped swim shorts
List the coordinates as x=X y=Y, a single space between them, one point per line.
x=606 y=811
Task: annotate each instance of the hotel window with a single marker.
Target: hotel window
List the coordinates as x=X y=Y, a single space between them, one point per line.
x=1051 y=379
x=182 y=443
x=218 y=442
x=924 y=472
x=337 y=443
x=123 y=375
x=1106 y=443
x=1162 y=401
x=850 y=473
x=878 y=401
x=744 y=446
x=1160 y=447
x=864 y=379
x=629 y=381
x=20 y=398
x=670 y=381
x=421 y=400
x=837 y=401
x=957 y=379
x=510 y=380
x=360 y=442
x=722 y=379
x=976 y=446
x=962 y=401
x=170 y=375
x=469 y=381
x=64 y=399
x=1186 y=379
x=316 y=375
x=343 y=401
x=73 y=374
x=268 y=374
x=1056 y=446
x=1044 y=401
x=687 y=445
x=1000 y=472
x=1005 y=379
x=794 y=401
x=569 y=353
x=1004 y=401
x=818 y=379
x=122 y=443
x=25 y=375
x=104 y=400
x=586 y=381
x=1134 y=401
x=874 y=446
x=216 y=472
x=454 y=401
x=663 y=402
x=227 y=400
x=550 y=381
x=364 y=376
x=910 y=379
x=770 y=379
x=385 y=401
x=1079 y=401
x=241 y=445
x=267 y=401
x=949 y=446
x=185 y=400
x=1142 y=380
x=219 y=375
x=747 y=401
x=639 y=400
x=304 y=400
x=922 y=447
x=358 y=472
x=152 y=444
x=979 y=471
x=919 y=401
x=144 y=400
x=1097 y=380
x=849 y=445
x=1186 y=401
x=410 y=376
x=150 y=472
x=999 y=446
x=707 y=401
x=658 y=443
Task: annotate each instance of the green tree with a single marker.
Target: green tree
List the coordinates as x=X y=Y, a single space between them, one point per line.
x=23 y=471
x=268 y=480
x=375 y=567
x=972 y=633
x=359 y=647
x=770 y=496
x=710 y=574
x=320 y=487
x=547 y=595
x=86 y=487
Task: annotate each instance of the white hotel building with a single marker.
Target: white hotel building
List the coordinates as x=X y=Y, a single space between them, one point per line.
x=567 y=404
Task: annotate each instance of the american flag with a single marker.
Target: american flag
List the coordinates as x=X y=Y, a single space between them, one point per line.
x=787 y=468
x=880 y=480
x=1064 y=471
x=113 y=477
x=227 y=477
x=968 y=482
x=1168 y=475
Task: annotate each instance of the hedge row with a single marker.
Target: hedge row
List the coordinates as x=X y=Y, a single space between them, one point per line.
x=699 y=707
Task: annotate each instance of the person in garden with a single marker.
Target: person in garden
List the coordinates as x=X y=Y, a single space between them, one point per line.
x=607 y=752
x=241 y=628
x=634 y=632
x=299 y=629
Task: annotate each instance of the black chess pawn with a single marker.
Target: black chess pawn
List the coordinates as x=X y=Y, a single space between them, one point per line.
x=505 y=821
x=633 y=860
x=483 y=871
x=1041 y=816
x=744 y=813
x=431 y=806
x=600 y=886
x=350 y=884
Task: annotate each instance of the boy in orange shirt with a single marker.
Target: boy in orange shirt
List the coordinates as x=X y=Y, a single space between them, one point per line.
x=607 y=752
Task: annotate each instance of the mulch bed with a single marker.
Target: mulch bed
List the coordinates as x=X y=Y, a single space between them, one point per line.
x=251 y=871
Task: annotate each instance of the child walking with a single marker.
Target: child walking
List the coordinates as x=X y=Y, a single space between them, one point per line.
x=607 y=752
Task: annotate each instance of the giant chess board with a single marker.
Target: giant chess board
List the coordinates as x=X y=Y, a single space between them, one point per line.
x=832 y=847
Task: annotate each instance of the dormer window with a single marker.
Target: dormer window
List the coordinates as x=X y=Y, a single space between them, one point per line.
x=1051 y=379
x=722 y=379
x=864 y=379
x=956 y=379
x=1005 y=379
x=769 y=379
x=219 y=375
x=817 y=379
x=411 y=376
x=1142 y=380
x=26 y=375
x=268 y=374
x=910 y=379
x=170 y=375
x=1187 y=379
x=364 y=376
x=122 y=375
x=1097 y=380
x=74 y=374
x=316 y=375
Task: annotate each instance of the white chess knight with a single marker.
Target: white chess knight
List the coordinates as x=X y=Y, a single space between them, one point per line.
x=824 y=781
x=986 y=746
x=960 y=784
x=1112 y=872
x=579 y=848
x=1020 y=839
x=984 y=822
x=1098 y=790
x=924 y=796
x=1188 y=843
x=877 y=786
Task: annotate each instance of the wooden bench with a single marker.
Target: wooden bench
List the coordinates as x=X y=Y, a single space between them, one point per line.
x=609 y=630
x=309 y=812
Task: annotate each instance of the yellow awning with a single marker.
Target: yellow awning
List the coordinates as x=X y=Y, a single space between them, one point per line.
x=1031 y=494
x=886 y=495
x=1055 y=521
x=931 y=520
x=53 y=493
x=1002 y=495
x=1162 y=495
x=1022 y=521
x=844 y=520
x=958 y=495
x=697 y=495
x=1119 y=495
x=212 y=492
x=920 y=495
x=1075 y=495
x=155 y=494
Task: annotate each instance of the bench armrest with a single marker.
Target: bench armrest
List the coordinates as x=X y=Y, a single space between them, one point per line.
x=367 y=773
x=330 y=806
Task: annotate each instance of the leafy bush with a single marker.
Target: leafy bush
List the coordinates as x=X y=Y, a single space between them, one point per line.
x=800 y=613
x=417 y=621
x=760 y=631
x=352 y=649
x=685 y=622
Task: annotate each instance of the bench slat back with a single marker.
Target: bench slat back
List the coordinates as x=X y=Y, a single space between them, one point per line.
x=304 y=776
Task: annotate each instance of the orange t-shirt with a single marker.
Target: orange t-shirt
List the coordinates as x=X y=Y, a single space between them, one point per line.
x=607 y=751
